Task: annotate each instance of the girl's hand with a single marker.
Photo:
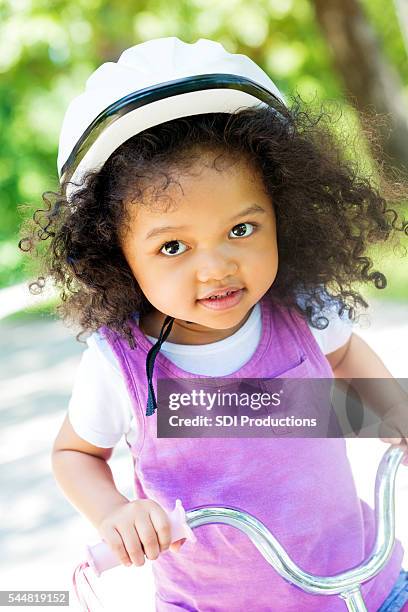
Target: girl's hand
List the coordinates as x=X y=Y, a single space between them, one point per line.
x=138 y=528
x=394 y=429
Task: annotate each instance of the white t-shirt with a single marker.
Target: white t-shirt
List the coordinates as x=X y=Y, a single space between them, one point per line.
x=100 y=406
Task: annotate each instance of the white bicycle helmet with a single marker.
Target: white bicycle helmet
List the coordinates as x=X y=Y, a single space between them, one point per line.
x=153 y=82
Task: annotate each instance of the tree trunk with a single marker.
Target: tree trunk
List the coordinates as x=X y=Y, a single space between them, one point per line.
x=371 y=83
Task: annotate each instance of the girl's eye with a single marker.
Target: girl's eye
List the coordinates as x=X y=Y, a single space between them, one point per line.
x=172 y=246
x=241 y=229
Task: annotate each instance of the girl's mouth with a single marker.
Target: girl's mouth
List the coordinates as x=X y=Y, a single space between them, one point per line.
x=222 y=303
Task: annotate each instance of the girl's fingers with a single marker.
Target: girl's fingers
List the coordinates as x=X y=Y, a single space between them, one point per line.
x=113 y=538
x=132 y=544
x=388 y=432
x=148 y=537
x=161 y=524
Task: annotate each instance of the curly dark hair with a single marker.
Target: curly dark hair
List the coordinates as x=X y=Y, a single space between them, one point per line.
x=328 y=214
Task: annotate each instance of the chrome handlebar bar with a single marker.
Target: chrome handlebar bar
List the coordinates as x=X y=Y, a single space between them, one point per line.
x=345 y=584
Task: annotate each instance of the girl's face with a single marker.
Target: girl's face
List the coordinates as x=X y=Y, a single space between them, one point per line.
x=215 y=242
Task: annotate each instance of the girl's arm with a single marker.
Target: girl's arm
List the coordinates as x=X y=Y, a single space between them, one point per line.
x=358 y=364
x=82 y=472
x=131 y=528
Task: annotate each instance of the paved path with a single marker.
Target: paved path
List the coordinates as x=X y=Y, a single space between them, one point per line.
x=42 y=536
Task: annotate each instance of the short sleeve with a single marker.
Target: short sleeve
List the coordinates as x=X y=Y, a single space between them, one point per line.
x=338 y=330
x=99 y=408
x=336 y=333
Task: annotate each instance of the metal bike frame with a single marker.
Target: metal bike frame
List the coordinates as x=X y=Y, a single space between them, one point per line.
x=346 y=585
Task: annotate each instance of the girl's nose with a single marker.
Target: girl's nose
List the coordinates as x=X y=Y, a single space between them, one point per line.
x=215 y=266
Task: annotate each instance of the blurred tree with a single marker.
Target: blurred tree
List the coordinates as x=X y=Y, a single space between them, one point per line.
x=371 y=83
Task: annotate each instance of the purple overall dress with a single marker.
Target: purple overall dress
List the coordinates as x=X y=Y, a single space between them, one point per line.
x=302 y=489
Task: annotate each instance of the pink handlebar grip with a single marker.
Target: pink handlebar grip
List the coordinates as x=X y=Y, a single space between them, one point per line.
x=100 y=557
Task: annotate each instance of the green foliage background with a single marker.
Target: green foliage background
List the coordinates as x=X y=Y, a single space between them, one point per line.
x=48 y=50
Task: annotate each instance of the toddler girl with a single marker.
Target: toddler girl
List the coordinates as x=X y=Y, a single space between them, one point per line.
x=185 y=177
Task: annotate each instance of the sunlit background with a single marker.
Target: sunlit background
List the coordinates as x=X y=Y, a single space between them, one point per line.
x=351 y=54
